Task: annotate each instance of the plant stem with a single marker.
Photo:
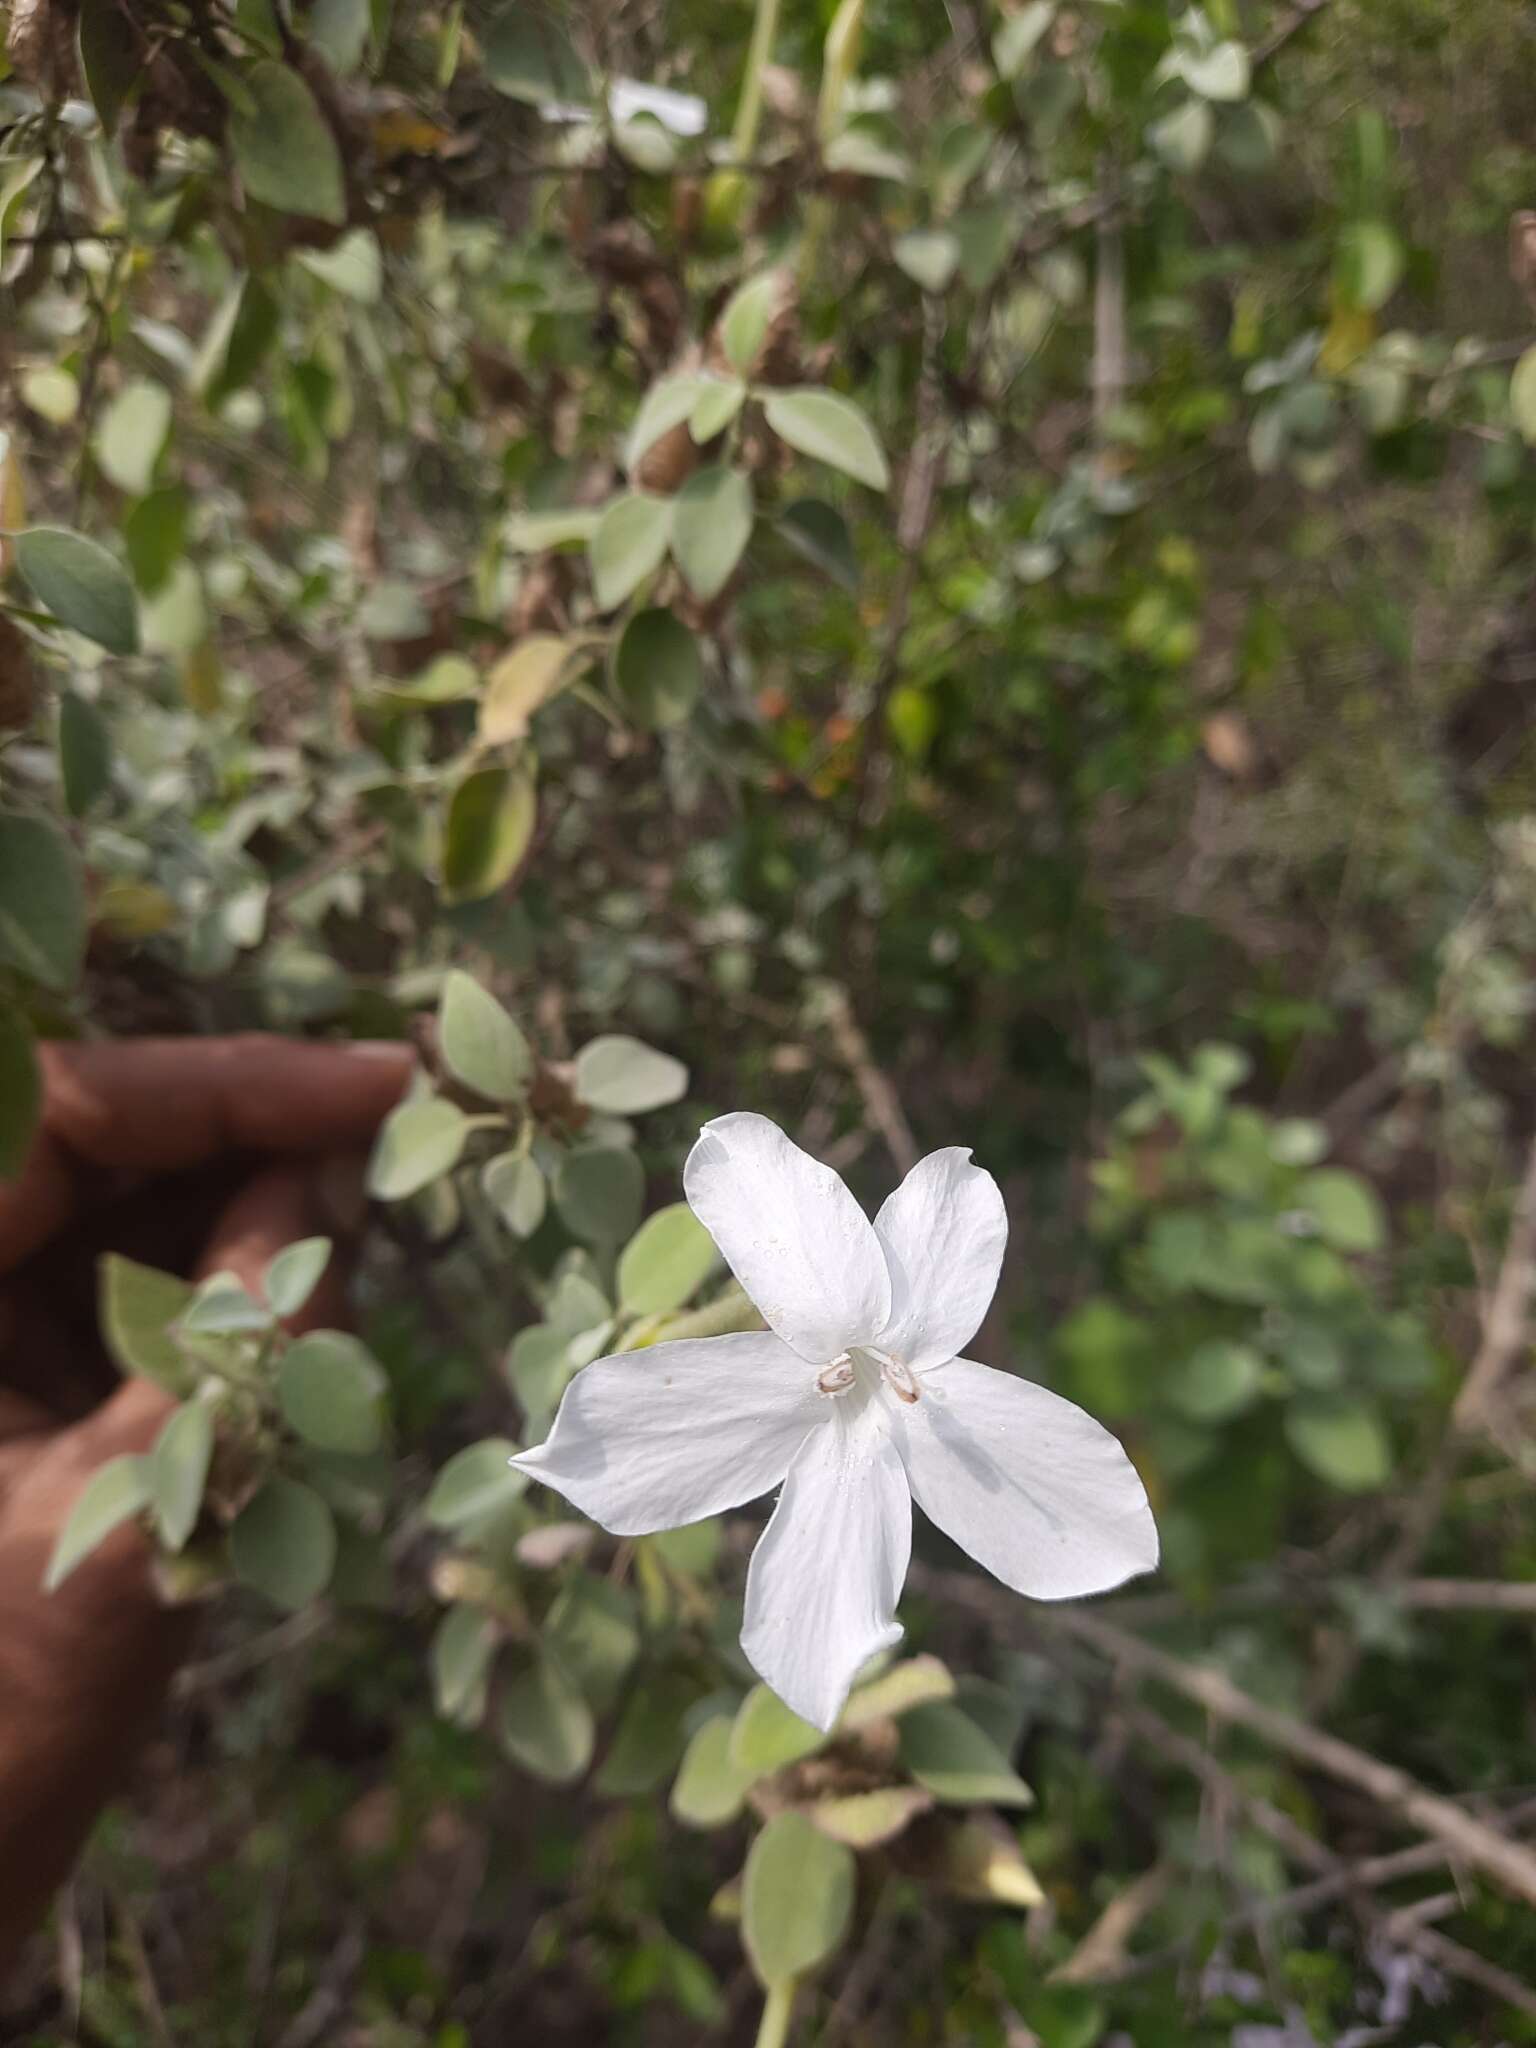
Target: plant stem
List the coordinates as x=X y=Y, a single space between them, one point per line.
x=765 y=27
x=773 y=2028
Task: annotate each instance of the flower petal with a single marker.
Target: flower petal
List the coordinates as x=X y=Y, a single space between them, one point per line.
x=652 y=1439
x=791 y=1233
x=825 y=1578
x=943 y=1233
x=1032 y=1487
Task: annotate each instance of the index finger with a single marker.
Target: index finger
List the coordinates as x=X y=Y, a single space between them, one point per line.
x=157 y=1105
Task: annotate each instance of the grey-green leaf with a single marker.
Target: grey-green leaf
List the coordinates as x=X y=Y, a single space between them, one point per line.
x=515 y=1187
x=665 y=1262
x=332 y=1390
x=623 y=1077
x=178 y=1472
x=1343 y=1442
x=627 y=545
x=767 y=1735
x=131 y=433
x=418 y=1142
x=546 y=1725
x=42 y=902
x=85 y=753
x=481 y=1044
x=138 y=1307
x=796 y=1898
x=711 y=525
x=283 y=1543
x=709 y=1789
x=113 y=1493
x=657 y=669
x=831 y=429
x=294 y=1274
x=476 y=1483
x=462 y=1652
x=83 y=586
x=599 y=1191
x=958 y=1762
x=283 y=146
x=744 y=323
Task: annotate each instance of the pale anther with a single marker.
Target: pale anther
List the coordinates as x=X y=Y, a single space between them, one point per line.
x=899 y=1377
x=838 y=1377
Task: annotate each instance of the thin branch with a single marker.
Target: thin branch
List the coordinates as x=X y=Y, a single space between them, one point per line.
x=881 y=1101
x=1506 y=1325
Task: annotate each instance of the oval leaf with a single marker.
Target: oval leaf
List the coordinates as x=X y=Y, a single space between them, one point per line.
x=283 y=1544
x=283 y=146
x=419 y=1141
x=711 y=525
x=709 y=1789
x=42 y=902
x=599 y=1191
x=475 y=1483
x=622 y=1077
x=178 y=1472
x=115 y=1491
x=665 y=1262
x=491 y=816
x=546 y=1725
x=627 y=545
x=517 y=1190
x=831 y=429
x=657 y=670
x=796 y=1898
x=83 y=586
x=481 y=1044
x=332 y=1391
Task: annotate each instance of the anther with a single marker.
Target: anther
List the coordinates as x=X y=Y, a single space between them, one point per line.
x=838 y=1377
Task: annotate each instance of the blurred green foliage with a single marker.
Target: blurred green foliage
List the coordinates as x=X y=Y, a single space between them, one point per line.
x=944 y=572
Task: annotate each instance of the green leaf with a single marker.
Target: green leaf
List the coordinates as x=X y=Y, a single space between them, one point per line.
x=155 y=535
x=929 y=256
x=418 y=1142
x=665 y=1262
x=481 y=1044
x=1221 y=73
x=745 y=321
x=657 y=669
x=517 y=1190
x=1522 y=395
x=283 y=1543
x=649 y=1738
x=709 y=1789
x=222 y=1306
x=83 y=586
x=1019 y=35
x=463 y=1649
x=622 y=1077
x=767 y=1735
x=719 y=402
x=239 y=339
x=131 y=433
x=332 y=1390
x=113 y=1493
x=109 y=59
x=138 y=1308
x=627 y=545
x=913 y=1683
x=666 y=405
x=85 y=753
x=520 y=683
x=1369 y=265
x=1183 y=138
x=42 y=902
x=593 y=1632
x=14 y=180
x=475 y=1484
x=488 y=830
x=354 y=268
x=711 y=525
x=21 y=1090
x=530 y=533
x=529 y=57
x=958 y=1762
x=178 y=1472
x=796 y=1898
x=820 y=533
x=832 y=430
x=339 y=30
x=283 y=146
x=866 y=1819
x=1216 y=1380
x=294 y=1274
x=599 y=1191
x=1344 y=1209
x=539 y=1368
x=545 y=1725
x=1343 y=1442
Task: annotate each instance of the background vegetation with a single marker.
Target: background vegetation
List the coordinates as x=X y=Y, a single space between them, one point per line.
x=947 y=573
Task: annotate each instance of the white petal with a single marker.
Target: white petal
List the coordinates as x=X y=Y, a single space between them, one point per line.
x=824 y=1580
x=943 y=1232
x=791 y=1233
x=652 y=1439
x=1027 y=1483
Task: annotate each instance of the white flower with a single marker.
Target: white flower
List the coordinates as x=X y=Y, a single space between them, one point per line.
x=856 y=1399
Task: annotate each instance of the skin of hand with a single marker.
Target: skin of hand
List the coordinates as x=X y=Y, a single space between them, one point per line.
x=199 y=1156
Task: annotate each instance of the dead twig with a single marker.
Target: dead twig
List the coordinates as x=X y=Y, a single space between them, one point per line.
x=1506 y=1324
x=881 y=1101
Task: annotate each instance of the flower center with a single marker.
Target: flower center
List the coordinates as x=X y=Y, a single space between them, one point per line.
x=842 y=1373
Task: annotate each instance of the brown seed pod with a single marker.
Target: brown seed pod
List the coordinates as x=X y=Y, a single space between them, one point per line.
x=669 y=462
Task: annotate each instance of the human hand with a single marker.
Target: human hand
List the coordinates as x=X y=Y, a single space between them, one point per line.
x=195 y=1155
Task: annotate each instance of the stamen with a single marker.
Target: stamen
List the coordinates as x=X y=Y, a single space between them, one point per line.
x=899 y=1377
x=838 y=1377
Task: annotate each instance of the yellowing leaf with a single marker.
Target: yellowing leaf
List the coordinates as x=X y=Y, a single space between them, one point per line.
x=519 y=683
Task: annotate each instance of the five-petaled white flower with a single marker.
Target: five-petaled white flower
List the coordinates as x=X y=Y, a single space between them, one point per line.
x=855 y=1398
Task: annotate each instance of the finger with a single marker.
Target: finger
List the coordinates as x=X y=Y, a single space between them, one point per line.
x=155 y=1105
x=278 y=1206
